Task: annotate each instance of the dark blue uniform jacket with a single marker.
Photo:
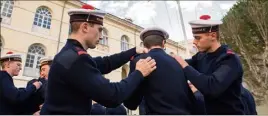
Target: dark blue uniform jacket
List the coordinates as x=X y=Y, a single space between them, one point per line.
x=75 y=78
x=98 y=109
x=142 y=108
x=166 y=90
x=32 y=104
x=218 y=77
x=249 y=102
x=200 y=103
x=10 y=96
x=119 y=110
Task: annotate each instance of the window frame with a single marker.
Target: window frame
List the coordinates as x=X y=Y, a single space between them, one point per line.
x=124 y=43
x=9 y=6
x=31 y=66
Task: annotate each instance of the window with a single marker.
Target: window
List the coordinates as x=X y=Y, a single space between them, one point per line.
x=42 y=18
x=124 y=43
x=6 y=10
x=104 y=40
x=35 y=52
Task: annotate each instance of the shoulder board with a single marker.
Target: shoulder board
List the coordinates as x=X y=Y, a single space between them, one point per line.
x=133 y=57
x=229 y=51
x=80 y=51
x=66 y=58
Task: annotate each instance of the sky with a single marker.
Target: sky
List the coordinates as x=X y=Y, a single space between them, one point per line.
x=165 y=14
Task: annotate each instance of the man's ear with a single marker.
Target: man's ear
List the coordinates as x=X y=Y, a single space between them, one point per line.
x=6 y=64
x=84 y=26
x=214 y=36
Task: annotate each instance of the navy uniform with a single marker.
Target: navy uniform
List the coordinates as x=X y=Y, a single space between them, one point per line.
x=119 y=110
x=75 y=77
x=166 y=91
x=200 y=107
x=217 y=75
x=37 y=98
x=249 y=102
x=10 y=96
x=142 y=108
x=98 y=109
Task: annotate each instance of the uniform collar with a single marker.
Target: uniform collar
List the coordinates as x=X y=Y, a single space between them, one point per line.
x=156 y=49
x=5 y=72
x=75 y=42
x=220 y=50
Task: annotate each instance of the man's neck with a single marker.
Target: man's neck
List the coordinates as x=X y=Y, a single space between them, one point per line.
x=214 y=47
x=8 y=71
x=153 y=47
x=79 y=39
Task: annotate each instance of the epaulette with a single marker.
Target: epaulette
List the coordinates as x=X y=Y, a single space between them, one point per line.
x=80 y=51
x=229 y=51
x=67 y=58
x=133 y=57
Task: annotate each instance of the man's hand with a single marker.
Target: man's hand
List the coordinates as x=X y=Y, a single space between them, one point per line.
x=192 y=87
x=40 y=107
x=146 y=66
x=140 y=50
x=37 y=84
x=182 y=62
x=37 y=113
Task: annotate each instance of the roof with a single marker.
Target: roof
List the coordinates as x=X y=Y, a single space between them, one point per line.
x=113 y=17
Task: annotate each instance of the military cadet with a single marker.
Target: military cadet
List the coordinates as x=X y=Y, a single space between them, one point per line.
x=10 y=96
x=216 y=71
x=38 y=98
x=166 y=91
x=75 y=77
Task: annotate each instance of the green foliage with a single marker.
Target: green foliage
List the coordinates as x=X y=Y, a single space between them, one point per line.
x=241 y=31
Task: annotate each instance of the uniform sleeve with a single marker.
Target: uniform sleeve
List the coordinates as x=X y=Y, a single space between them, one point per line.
x=14 y=94
x=192 y=61
x=43 y=89
x=95 y=86
x=135 y=98
x=214 y=84
x=109 y=63
x=200 y=107
x=249 y=100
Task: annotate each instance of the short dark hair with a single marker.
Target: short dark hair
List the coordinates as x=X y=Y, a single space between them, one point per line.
x=153 y=40
x=49 y=63
x=76 y=25
x=3 y=65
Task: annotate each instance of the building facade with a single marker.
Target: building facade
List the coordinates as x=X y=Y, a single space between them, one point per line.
x=36 y=29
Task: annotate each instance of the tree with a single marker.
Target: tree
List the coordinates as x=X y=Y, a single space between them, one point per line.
x=245 y=30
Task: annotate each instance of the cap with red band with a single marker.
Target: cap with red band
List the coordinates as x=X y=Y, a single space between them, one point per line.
x=87 y=13
x=10 y=56
x=205 y=25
